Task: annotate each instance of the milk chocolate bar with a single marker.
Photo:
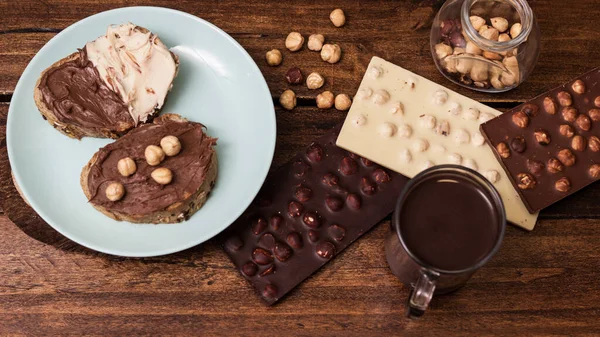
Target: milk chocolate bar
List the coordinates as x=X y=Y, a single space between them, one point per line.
x=550 y=145
x=407 y=123
x=308 y=211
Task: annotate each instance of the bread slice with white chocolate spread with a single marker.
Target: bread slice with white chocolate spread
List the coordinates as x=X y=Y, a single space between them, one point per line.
x=108 y=87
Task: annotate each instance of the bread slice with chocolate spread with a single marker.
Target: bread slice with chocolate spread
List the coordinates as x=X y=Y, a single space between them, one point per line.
x=108 y=87
x=144 y=200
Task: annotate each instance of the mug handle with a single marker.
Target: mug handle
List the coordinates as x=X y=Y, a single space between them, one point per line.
x=421 y=294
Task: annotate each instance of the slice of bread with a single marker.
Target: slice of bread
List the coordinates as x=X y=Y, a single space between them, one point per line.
x=74 y=130
x=181 y=209
x=114 y=129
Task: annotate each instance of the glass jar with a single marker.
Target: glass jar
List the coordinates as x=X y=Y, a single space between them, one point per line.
x=485 y=45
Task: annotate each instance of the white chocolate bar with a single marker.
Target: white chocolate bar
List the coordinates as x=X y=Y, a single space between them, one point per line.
x=407 y=123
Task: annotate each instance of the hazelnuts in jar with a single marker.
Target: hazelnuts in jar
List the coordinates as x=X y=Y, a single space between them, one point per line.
x=484 y=55
x=154 y=155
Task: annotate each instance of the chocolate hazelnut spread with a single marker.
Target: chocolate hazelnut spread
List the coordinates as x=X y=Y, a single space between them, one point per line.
x=143 y=195
x=77 y=95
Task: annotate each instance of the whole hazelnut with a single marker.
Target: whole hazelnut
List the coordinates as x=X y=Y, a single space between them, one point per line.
x=597 y=101
x=170 y=145
x=294 y=41
x=315 y=42
x=442 y=50
x=492 y=56
x=477 y=22
x=578 y=143
x=501 y=24
x=566 y=157
x=479 y=71
x=594 y=114
x=566 y=130
x=569 y=114
x=490 y=34
x=337 y=17
x=331 y=53
x=520 y=119
x=518 y=144
x=594 y=144
x=542 y=137
x=578 y=87
x=525 y=181
x=471 y=48
x=288 y=100
x=381 y=96
x=154 y=155
x=126 y=166
x=515 y=30
x=115 y=191
x=294 y=76
x=594 y=171
x=535 y=167
x=550 y=105
x=162 y=175
x=503 y=150
x=504 y=38
x=564 y=98
x=274 y=57
x=325 y=100
x=314 y=81
x=562 y=185
x=554 y=165
x=583 y=122
x=342 y=102
x=530 y=109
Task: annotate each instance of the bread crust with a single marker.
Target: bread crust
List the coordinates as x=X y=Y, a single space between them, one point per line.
x=77 y=131
x=174 y=213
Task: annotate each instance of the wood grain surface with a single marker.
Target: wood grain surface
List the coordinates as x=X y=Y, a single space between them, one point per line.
x=545 y=282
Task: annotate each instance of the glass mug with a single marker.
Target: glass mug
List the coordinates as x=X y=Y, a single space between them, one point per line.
x=448 y=222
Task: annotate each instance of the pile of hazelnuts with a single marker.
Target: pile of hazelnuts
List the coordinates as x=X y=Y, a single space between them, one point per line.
x=169 y=146
x=330 y=53
x=474 y=66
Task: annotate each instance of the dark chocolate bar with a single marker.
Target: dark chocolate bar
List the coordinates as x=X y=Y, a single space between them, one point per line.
x=550 y=145
x=308 y=211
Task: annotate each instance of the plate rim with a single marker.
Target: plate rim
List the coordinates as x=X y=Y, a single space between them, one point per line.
x=150 y=253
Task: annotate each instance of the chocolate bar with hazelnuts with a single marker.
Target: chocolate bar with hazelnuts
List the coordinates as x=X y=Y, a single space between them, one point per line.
x=306 y=213
x=550 y=145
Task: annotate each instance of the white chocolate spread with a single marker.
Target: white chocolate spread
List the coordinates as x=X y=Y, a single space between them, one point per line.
x=136 y=65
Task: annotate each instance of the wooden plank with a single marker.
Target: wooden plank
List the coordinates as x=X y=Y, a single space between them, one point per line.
x=530 y=286
x=385 y=29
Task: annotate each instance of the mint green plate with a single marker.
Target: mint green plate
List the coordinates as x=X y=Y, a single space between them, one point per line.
x=218 y=85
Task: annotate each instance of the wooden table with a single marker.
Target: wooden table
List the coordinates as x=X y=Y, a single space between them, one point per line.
x=541 y=283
